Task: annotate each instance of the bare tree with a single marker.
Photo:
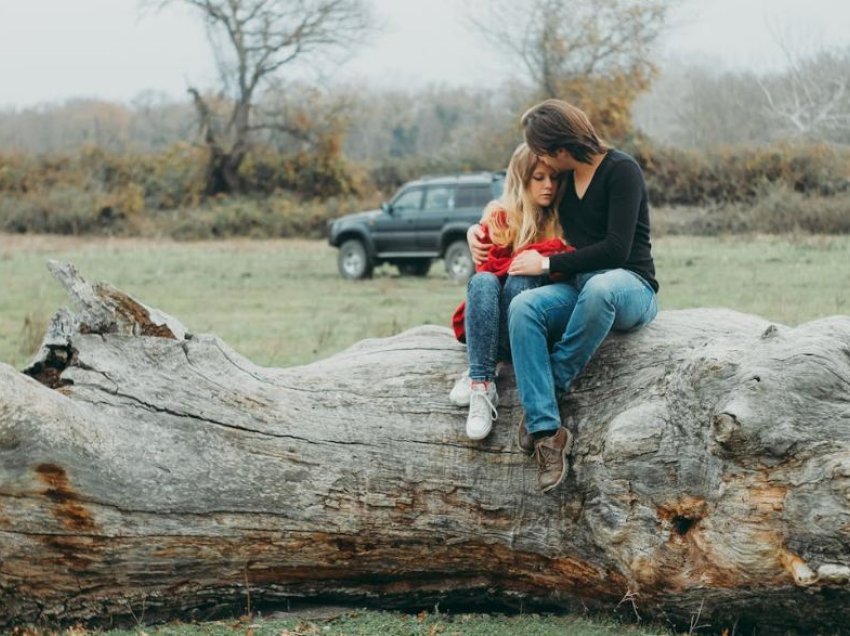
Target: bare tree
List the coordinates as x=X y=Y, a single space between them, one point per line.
x=696 y=106
x=587 y=51
x=253 y=40
x=811 y=99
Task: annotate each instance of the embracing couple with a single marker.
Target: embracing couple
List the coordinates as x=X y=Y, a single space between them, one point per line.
x=562 y=258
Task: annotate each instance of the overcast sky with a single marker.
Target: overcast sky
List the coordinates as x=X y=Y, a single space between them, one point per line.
x=51 y=50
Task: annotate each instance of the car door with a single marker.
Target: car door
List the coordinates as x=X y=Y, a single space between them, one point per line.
x=437 y=210
x=394 y=231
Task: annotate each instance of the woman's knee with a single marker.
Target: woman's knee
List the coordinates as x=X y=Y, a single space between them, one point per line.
x=483 y=285
x=483 y=280
x=515 y=285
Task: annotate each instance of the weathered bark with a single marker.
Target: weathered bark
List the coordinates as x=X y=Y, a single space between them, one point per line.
x=165 y=474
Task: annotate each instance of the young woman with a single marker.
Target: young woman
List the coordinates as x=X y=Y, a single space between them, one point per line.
x=524 y=218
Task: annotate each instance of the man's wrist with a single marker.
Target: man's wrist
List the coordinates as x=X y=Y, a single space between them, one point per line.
x=544 y=267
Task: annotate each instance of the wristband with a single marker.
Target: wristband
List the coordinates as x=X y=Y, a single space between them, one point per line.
x=545 y=265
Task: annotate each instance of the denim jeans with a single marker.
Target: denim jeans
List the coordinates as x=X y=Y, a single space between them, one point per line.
x=555 y=330
x=486 y=319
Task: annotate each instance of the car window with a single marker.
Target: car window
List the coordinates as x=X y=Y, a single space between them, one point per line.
x=473 y=195
x=409 y=200
x=439 y=197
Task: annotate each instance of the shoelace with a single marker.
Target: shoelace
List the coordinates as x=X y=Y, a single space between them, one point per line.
x=475 y=407
x=546 y=457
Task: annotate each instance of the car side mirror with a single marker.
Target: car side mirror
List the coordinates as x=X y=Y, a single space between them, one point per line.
x=386 y=208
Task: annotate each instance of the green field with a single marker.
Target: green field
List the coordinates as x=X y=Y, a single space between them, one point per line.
x=282 y=303
x=341 y=622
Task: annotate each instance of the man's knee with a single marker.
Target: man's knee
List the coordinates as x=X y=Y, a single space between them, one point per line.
x=600 y=291
x=522 y=311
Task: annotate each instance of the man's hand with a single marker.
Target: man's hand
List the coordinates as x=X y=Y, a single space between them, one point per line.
x=479 y=249
x=527 y=263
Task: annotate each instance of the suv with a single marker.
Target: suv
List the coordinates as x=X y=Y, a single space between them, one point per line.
x=425 y=220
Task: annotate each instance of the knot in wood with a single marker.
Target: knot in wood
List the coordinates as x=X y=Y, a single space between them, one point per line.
x=771 y=332
x=725 y=425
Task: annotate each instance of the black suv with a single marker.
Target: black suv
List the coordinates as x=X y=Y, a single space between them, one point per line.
x=426 y=219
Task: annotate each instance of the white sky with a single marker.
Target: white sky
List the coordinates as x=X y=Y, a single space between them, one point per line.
x=52 y=50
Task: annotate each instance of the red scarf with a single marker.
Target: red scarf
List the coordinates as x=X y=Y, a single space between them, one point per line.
x=498 y=262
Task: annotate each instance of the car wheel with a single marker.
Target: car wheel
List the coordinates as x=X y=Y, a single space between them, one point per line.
x=459 y=264
x=415 y=267
x=353 y=261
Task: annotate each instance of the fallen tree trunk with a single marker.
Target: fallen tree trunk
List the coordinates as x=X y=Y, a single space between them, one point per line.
x=150 y=473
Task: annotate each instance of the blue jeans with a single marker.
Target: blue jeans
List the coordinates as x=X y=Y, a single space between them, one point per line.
x=486 y=320
x=555 y=330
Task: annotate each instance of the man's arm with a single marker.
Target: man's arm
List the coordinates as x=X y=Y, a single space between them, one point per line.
x=475 y=238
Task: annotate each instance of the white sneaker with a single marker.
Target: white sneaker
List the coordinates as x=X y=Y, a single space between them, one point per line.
x=460 y=391
x=483 y=400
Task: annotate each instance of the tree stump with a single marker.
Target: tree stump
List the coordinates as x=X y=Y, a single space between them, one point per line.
x=147 y=472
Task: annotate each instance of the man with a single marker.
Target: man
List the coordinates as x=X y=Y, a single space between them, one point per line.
x=608 y=281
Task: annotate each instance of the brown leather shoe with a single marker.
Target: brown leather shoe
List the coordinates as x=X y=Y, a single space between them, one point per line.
x=524 y=439
x=551 y=455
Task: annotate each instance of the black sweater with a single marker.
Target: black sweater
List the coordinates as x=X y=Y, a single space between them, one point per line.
x=609 y=227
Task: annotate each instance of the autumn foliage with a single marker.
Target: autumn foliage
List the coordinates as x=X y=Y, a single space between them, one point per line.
x=101 y=192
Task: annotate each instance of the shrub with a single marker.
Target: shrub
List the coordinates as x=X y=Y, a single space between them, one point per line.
x=678 y=177
x=278 y=216
x=15 y=172
x=781 y=210
x=320 y=172
x=776 y=210
x=100 y=192
x=60 y=210
x=172 y=178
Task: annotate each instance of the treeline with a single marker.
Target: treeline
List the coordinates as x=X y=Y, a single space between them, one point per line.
x=728 y=146
x=687 y=106
x=96 y=191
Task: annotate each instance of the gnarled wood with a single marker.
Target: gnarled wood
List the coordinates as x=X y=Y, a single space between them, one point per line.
x=164 y=474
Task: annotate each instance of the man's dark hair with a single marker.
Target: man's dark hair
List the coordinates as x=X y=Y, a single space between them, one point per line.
x=555 y=124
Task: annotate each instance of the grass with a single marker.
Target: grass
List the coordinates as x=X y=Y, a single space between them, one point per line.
x=366 y=623
x=786 y=279
x=282 y=302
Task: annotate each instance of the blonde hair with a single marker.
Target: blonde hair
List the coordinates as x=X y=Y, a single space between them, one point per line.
x=523 y=222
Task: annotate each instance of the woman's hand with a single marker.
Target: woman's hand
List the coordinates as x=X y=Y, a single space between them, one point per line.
x=527 y=263
x=479 y=249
